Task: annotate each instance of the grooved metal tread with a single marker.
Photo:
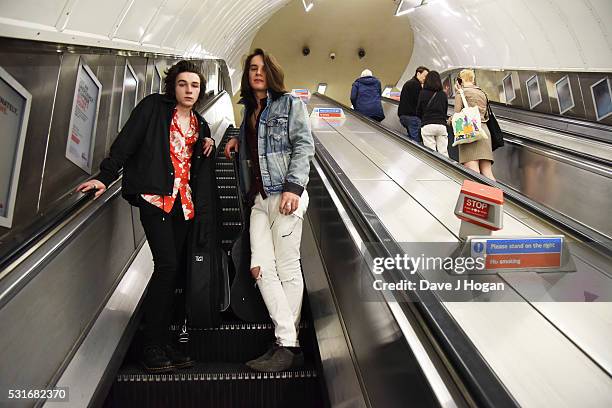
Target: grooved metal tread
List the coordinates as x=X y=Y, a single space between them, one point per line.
x=236 y=326
x=213 y=371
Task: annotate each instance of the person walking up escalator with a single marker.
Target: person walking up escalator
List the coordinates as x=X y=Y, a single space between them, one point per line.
x=365 y=96
x=409 y=98
x=432 y=109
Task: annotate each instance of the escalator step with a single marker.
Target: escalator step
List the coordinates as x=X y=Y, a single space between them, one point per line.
x=216 y=385
x=238 y=343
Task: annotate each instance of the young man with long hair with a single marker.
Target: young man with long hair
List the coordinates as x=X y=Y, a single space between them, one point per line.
x=275 y=138
x=161 y=145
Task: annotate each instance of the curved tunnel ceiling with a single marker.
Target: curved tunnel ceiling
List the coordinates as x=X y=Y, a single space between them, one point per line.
x=386 y=53
x=190 y=28
x=519 y=34
x=547 y=35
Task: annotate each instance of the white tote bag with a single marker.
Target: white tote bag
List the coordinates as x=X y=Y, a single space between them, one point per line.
x=467 y=126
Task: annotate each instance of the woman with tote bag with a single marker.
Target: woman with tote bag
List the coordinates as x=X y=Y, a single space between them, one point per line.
x=477 y=155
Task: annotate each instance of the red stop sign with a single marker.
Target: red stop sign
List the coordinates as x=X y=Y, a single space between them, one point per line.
x=476 y=208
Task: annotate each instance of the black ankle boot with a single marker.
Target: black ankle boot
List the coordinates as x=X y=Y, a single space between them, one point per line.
x=178 y=358
x=155 y=360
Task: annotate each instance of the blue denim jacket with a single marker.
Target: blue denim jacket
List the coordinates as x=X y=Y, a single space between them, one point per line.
x=285 y=146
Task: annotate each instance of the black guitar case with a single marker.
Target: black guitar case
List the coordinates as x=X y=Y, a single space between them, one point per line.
x=205 y=267
x=245 y=298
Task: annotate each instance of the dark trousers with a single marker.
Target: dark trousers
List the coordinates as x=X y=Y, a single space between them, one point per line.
x=167 y=238
x=413 y=126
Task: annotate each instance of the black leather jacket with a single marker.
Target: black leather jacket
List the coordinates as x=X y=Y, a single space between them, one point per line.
x=142 y=149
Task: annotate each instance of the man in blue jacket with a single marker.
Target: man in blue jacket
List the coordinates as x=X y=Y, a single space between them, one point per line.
x=276 y=146
x=365 y=96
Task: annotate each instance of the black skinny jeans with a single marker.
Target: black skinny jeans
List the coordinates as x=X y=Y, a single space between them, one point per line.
x=167 y=238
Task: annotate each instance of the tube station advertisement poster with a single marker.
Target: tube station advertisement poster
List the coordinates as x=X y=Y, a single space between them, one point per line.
x=14 y=107
x=82 y=128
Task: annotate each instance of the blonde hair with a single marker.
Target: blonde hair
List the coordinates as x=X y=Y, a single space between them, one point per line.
x=467 y=75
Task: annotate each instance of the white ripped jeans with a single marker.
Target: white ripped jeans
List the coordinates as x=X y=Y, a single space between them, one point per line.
x=275 y=249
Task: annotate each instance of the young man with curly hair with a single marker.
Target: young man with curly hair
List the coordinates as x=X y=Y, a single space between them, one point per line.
x=160 y=148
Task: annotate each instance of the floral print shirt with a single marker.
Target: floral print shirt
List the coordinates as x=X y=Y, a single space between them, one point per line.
x=181 y=148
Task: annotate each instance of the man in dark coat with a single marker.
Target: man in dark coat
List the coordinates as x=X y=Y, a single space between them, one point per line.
x=365 y=96
x=164 y=150
x=408 y=104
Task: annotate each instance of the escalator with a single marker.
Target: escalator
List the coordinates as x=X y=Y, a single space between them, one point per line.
x=391 y=351
x=220 y=378
x=357 y=353
x=405 y=195
x=554 y=164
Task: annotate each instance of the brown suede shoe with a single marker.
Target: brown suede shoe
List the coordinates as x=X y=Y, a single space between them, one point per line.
x=281 y=359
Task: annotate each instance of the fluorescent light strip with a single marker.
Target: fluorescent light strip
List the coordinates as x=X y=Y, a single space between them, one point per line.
x=400 y=11
x=307 y=7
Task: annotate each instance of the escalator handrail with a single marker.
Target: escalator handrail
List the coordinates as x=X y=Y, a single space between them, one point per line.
x=42 y=232
x=502 y=111
x=574 y=158
x=482 y=382
x=17 y=274
x=583 y=160
x=551 y=118
x=210 y=102
x=572 y=227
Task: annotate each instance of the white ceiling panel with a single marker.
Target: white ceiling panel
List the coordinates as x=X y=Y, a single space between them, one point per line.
x=192 y=28
x=32 y=11
x=524 y=34
x=551 y=25
x=138 y=19
x=593 y=37
x=572 y=35
x=167 y=21
x=88 y=17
